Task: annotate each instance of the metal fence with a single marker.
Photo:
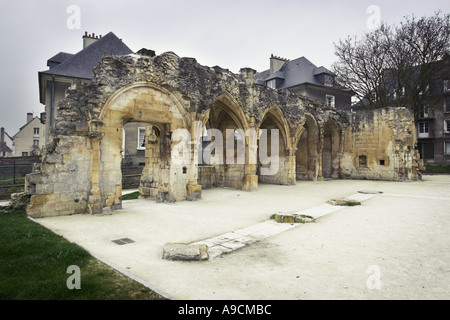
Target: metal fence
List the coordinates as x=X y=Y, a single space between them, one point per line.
x=13 y=170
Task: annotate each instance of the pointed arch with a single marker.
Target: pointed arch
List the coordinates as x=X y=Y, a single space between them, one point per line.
x=234 y=110
x=330 y=158
x=306 y=142
x=277 y=116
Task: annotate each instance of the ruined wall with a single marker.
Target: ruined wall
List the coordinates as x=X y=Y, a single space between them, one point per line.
x=80 y=170
x=379 y=145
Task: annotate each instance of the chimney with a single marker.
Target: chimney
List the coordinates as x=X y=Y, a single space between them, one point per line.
x=276 y=63
x=29 y=116
x=2 y=141
x=89 y=39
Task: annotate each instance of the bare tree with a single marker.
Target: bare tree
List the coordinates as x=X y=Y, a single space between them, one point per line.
x=394 y=65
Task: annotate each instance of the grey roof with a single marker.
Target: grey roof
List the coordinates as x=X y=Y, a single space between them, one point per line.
x=321 y=70
x=278 y=74
x=295 y=72
x=80 y=65
x=5 y=148
x=58 y=59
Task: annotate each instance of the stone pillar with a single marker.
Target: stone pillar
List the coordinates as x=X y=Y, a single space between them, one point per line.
x=148 y=187
x=94 y=202
x=250 y=182
x=318 y=167
x=290 y=167
x=194 y=190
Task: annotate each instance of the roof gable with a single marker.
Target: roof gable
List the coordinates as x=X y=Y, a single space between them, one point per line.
x=295 y=72
x=81 y=64
x=58 y=59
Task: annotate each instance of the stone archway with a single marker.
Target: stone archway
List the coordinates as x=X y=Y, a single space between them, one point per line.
x=161 y=179
x=226 y=115
x=306 y=166
x=331 y=150
x=273 y=118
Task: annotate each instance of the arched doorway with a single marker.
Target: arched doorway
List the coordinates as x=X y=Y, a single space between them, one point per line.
x=162 y=114
x=306 y=153
x=330 y=150
x=229 y=161
x=277 y=162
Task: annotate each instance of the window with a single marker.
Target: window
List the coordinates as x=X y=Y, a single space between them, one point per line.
x=382 y=162
x=35 y=143
x=423 y=129
x=400 y=92
x=24 y=154
x=36 y=132
x=272 y=84
x=446 y=86
x=447 y=105
x=425 y=112
x=447 y=148
x=362 y=161
x=447 y=126
x=141 y=138
x=328 y=80
x=329 y=101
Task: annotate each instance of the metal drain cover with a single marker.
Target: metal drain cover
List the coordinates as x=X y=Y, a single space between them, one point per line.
x=123 y=241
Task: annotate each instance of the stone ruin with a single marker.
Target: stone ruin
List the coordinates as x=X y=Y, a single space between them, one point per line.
x=80 y=170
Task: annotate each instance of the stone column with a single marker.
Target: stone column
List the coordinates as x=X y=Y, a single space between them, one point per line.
x=290 y=166
x=194 y=190
x=94 y=202
x=250 y=182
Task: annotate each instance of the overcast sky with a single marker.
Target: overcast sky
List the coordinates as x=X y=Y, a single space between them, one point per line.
x=229 y=33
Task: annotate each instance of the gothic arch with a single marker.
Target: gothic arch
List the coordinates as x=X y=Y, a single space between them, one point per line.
x=331 y=145
x=306 y=142
x=162 y=114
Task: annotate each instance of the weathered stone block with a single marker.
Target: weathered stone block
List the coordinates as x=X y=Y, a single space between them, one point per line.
x=185 y=252
x=343 y=202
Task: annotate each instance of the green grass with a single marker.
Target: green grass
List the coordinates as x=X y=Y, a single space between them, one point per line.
x=438 y=168
x=34 y=262
x=131 y=196
x=10 y=181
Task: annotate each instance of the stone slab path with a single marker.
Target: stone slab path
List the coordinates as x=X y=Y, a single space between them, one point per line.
x=232 y=241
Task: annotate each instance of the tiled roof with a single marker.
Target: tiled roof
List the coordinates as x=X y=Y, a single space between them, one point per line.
x=80 y=65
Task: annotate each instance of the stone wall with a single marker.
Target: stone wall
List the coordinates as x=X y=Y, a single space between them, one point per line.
x=176 y=98
x=207 y=177
x=380 y=145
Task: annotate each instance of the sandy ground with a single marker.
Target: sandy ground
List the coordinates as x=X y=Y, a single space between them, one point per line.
x=394 y=246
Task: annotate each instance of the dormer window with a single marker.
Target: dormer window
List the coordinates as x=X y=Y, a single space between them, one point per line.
x=328 y=80
x=272 y=84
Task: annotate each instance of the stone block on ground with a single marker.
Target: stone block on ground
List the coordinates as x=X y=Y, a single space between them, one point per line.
x=370 y=192
x=344 y=202
x=292 y=218
x=185 y=252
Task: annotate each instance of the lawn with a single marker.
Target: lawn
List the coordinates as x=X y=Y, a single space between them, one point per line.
x=34 y=262
x=438 y=169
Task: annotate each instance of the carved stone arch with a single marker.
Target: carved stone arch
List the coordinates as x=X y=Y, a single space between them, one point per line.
x=154 y=107
x=307 y=144
x=129 y=94
x=278 y=117
x=331 y=135
x=233 y=108
x=309 y=120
